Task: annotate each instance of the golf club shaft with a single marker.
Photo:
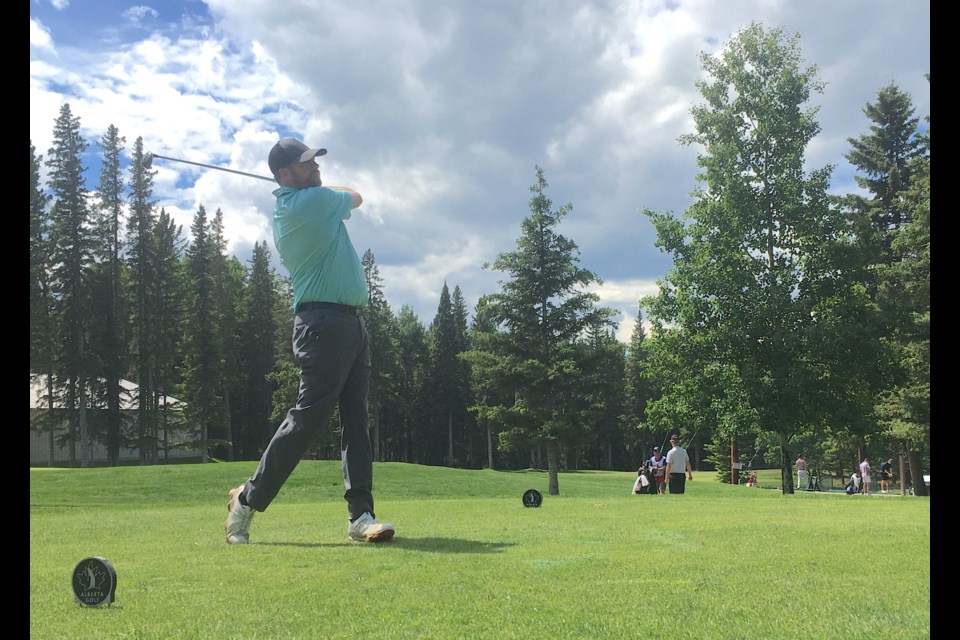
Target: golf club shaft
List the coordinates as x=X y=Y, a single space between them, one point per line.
x=200 y=164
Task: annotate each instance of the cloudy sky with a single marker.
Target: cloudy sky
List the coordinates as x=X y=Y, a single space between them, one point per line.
x=438 y=113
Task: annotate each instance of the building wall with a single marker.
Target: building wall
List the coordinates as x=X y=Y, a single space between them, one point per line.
x=40 y=452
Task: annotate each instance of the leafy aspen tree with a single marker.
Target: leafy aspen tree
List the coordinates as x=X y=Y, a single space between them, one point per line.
x=72 y=247
x=543 y=309
x=764 y=317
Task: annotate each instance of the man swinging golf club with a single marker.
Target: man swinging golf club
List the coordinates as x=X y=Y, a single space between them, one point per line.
x=329 y=344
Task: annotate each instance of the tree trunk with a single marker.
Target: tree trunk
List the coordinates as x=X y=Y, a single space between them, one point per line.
x=786 y=466
x=489 y=447
x=553 y=466
x=51 y=450
x=450 y=438
x=916 y=474
x=86 y=444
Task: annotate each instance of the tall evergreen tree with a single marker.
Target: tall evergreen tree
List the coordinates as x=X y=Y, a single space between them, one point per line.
x=259 y=344
x=904 y=293
x=72 y=246
x=544 y=308
x=885 y=156
x=382 y=336
x=639 y=389
x=202 y=385
x=39 y=261
x=761 y=238
x=602 y=392
x=144 y=283
x=110 y=306
x=412 y=356
x=166 y=295
x=471 y=439
x=41 y=299
x=443 y=384
x=228 y=281
x=491 y=385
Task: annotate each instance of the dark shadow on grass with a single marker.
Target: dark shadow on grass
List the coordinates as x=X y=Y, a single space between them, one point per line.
x=431 y=545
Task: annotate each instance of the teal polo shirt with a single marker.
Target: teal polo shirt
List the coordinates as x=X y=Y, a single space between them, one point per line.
x=314 y=245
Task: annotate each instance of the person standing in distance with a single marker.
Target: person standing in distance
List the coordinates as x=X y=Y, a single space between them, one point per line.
x=865 y=476
x=329 y=344
x=803 y=477
x=677 y=458
x=659 y=466
x=886 y=475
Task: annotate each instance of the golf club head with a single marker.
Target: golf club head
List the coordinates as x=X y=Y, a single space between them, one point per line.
x=147 y=161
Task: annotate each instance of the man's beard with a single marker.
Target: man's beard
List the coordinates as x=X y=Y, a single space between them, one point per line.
x=312 y=180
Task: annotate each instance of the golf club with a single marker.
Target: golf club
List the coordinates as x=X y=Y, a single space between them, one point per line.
x=148 y=162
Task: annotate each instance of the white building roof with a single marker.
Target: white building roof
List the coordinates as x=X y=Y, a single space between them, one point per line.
x=128 y=394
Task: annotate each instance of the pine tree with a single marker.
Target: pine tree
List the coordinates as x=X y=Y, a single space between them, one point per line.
x=72 y=246
x=228 y=277
x=904 y=293
x=443 y=382
x=543 y=309
x=382 y=337
x=167 y=304
x=412 y=356
x=202 y=384
x=41 y=299
x=39 y=261
x=639 y=389
x=111 y=307
x=144 y=283
x=259 y=352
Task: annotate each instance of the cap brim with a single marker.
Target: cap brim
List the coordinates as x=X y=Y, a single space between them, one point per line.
x=310 y=154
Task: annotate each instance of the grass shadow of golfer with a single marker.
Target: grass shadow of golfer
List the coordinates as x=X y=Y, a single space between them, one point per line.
x=432 y=545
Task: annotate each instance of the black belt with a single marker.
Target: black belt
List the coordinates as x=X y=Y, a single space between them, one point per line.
x=345 y=308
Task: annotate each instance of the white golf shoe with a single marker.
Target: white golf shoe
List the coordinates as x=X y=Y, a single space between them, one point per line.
x=366 y=529
x=237 y=526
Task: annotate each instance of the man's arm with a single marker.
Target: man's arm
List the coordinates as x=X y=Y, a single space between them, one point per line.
x=357 y=198
x=689 y=469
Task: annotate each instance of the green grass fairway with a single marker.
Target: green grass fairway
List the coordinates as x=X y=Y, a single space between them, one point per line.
x=469 y=561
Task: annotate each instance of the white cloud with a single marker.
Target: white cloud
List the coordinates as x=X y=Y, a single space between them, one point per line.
x=438 y=112
x=40 y=38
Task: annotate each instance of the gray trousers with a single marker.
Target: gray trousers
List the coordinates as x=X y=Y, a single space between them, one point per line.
x=331 y=349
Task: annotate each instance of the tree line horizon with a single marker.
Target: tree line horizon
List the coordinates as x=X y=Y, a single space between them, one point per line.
x=791 y=321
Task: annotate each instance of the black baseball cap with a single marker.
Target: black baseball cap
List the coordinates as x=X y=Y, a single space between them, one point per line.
x=676 y=437
x=290 y=150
